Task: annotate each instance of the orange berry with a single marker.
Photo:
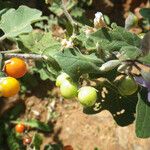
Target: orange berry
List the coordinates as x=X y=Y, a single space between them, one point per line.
x=15 y=67
x=9 y=86
x=19 y=128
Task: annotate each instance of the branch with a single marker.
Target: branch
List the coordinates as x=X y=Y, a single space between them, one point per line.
x=73 y=23
x=10 y=51
x=25 y=56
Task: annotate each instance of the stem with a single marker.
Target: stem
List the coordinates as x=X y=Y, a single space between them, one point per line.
x=25 y=56
x=2 y=38
x=73 y=23
x=10 y=51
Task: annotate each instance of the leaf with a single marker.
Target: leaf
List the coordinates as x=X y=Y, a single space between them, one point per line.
x=46 y=45
x=28 y=81
x=13 y=113
x=13 y=142
x=35 y=124
x=56 y=6
x=46 y=70
x=75 y=63
x=38 y=42
x=145 y=12
x=37 y=141
x=145 y=59
x=145 y=43
x=111 y=40
x=28 y=41
x=15 y=22
x=143 y=115
x=3 y=11
x=130 y=52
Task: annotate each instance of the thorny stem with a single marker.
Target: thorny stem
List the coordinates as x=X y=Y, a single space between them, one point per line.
x=73 y=23
x=25 y=56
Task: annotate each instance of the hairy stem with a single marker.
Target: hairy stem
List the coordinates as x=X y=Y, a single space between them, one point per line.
x=73 y=23
x=25 y=56
x=10 y=51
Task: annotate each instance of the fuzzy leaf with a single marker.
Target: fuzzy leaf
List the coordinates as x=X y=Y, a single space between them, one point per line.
x=75 y=63
x=15 y=22
x=143 y=115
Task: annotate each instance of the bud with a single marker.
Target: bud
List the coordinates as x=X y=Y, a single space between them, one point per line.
x=109 y=65
x=122 y=67
x=99 y=21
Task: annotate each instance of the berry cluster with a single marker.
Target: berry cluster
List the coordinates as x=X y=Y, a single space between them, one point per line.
x=14 y=68
x=87 y=95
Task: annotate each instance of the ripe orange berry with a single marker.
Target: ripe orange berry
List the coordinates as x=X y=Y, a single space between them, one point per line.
x=19 y=128
x=15 y=67
x=9 y=86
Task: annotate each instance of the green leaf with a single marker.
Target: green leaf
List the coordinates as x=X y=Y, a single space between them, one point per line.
x=145 y=12
x=110 y=40
x=38 y=42
x=36 y=124
x=37 y=141
x=146 y=59
x=75 y=63
x=3 y=11
x=130 y=52
x=56 y=6
x=143 y=115
x=46 y=45
x=47 y=70
x=13 y=142
x=15 y=22
x=28 y=81
x=27 y=42
x=13 y=113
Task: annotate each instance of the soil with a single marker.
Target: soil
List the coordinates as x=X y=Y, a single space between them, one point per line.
x=86 y=132
x=72 y=127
